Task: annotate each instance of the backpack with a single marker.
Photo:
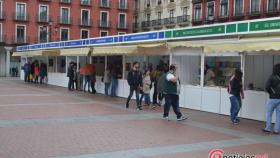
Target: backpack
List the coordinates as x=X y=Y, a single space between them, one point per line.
x=275 y=89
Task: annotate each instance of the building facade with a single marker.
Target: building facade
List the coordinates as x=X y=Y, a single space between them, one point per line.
x=218 y=11
x=161 y=14
x=39 y=21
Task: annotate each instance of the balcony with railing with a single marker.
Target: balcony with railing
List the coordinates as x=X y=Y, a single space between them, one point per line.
x=238 y=16
x=254 y=13
x=122 y=5
x=146 y=25
x=21 y=17
x=21 y=40
x=122 y=25
x=104 y=24
x=183 y=20
x=135 y=26
x=66 y=1
x=272 y=11
x=86 y=2
x=158 y=24
x=43 y=18
x=86 y=22
x=65 y=20
x=170 y=22
x=105 y=3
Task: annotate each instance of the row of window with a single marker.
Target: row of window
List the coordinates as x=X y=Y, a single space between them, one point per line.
x=65 y=16
x=44 y=34
x=272 y=6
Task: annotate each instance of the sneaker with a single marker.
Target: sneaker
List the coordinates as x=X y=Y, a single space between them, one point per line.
x=127 y=106
x=153 y=107
x=235 y=122
x=182 y=118
x=139 y=108
x=266 y=131
x=166 y=118
x=276 y=133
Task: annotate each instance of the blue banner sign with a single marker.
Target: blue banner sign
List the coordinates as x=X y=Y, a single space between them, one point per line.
x=53 y=45
x=75 y=43
x=141 y=37
x=101 y=40
x=35 y=46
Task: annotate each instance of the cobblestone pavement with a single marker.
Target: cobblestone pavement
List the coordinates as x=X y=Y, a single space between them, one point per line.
x=43 y=121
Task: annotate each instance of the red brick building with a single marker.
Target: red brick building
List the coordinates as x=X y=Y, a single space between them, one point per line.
x=217 y=11
x=35 y=21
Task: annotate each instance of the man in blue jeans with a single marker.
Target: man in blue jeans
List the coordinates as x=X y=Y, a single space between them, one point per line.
x=172 y=91
x=273 y=89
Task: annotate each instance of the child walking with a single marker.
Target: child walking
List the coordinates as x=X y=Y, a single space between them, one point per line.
x=146 y=89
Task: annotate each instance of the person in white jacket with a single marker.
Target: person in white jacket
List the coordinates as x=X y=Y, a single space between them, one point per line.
x=146 y=88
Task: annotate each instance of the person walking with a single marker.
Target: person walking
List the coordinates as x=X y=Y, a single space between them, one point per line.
x=27 y=71
x=172 y=91
x=107 y=80
x=37 y=73
x=146 y=89
x=134 y=79
x=92 y=83
x=114 y=81
x=235 y=90
x=273 y=104
x=43 y=73
x=75 y=78
x=70 y=75
x=160 y=84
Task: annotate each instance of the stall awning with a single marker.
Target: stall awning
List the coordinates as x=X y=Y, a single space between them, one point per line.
x=185 y=44
x=51 y=52
x=115 y=50
x=75 y=51
x=152 y=49
x=243 y=46
x=18 y=54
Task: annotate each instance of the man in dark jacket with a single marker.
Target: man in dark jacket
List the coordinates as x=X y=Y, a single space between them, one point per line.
x=70 y=75
x=134 y=79
x=273 y=89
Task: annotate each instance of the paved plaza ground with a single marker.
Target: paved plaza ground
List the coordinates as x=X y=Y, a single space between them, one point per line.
x=43 y=121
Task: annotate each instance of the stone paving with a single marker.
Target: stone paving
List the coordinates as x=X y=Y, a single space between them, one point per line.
x=43 y=121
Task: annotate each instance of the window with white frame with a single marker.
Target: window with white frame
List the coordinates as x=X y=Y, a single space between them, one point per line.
x=1 y=32
x=104 y=19
x=64 y=34
x=43 y=13
x=43 y=34
x=238 y=7
x=85 y=16
x=272 y=5
x=224 y=8
x=1 y=9
x=21 y=11
x=122 y=20
x=104 y=3
x=20 y=33
x=103 y=33
x=148 y=17
x=148 y=2
x=123 y=4
x=65 y=15
x=255 y=6
x=171 y=13
x=84 y=34
x=185 y=11
x=159 y=15
x=210 y=10
x=197 y=12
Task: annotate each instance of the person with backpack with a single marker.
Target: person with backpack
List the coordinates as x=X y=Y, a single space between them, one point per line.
x=172 y=88
x=273 y=104
x=134 y=79
x=236 y=92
